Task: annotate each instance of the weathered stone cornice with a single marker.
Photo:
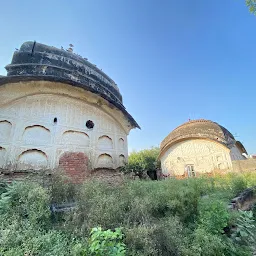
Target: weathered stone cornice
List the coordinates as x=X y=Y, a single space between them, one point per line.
x=35 y=61
x=198 y=129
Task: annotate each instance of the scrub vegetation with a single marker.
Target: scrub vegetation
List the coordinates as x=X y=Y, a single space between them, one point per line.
x=143 y=163
x=169 y=217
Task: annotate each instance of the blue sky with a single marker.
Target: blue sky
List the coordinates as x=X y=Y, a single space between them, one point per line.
x=172 y=60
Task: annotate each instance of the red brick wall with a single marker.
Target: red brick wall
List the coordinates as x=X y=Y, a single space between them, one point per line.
x=75 y=165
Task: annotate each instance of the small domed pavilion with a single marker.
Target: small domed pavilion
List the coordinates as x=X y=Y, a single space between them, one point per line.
x=197 y=147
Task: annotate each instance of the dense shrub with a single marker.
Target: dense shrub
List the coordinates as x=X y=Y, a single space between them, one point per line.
x=170 y=217
x=213 y=215
x=3 y=186
x=245 y=232
x=106 y=242
x=25 y=222
x=62 y=189
x=143 y=163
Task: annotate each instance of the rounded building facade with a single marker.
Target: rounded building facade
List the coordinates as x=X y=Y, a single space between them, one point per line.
x=198 y=147
x=56 y=108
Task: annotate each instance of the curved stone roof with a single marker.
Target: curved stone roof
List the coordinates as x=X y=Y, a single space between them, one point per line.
x=240 y=146
x=35 y=61
x=198 y=129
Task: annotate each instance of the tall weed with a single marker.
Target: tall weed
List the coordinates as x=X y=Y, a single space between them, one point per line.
x=170 y=217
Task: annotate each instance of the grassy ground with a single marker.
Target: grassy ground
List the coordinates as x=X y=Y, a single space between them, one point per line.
x=171 y=217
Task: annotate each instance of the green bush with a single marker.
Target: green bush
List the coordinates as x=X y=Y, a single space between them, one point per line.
x=106 y=242
x=25 y=222
x=143 y=162
x=213 y=216
x=25 y=202
x=245 y=233
x=3 y=186
x=61 y=189
x=170 y=217
x=205 y=243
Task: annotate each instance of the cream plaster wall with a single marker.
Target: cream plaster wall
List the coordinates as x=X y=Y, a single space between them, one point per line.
x=205 y=155
x=29 y=137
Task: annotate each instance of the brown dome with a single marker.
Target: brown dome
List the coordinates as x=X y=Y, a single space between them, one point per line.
x=198 y=129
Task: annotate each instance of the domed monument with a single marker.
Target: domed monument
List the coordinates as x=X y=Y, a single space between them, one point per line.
x=58 y=109
x=198 y=147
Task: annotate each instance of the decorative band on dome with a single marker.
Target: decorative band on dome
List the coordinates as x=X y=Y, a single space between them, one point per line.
x=39 y=62
x=196 y=129
x=38 y=59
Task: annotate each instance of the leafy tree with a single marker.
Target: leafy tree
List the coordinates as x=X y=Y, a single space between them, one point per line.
x=143 y=162
x=252 y=6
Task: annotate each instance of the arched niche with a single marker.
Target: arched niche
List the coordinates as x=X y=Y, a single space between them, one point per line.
x=2 y=157
x=122 y=160
x=36 y=135
x=32 y=159
x=72 y=137
x=105 y=161
x=5 y=130
x=105 y=142
x=121 y=143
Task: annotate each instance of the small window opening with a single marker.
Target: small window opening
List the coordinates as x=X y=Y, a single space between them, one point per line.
x=55 y=120
x=89 y=124
x=191 y=170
